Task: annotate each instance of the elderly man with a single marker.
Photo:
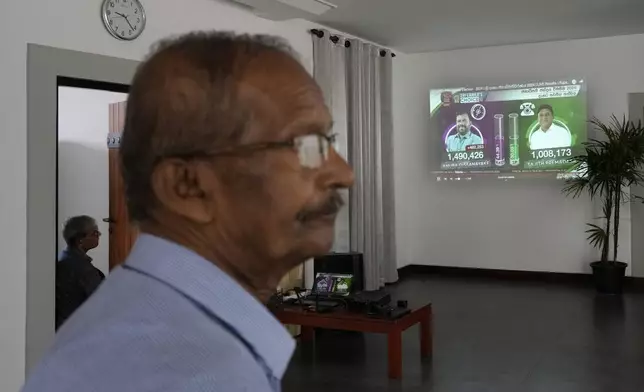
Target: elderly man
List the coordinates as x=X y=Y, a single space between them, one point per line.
x=231 y=176
x=76 y=276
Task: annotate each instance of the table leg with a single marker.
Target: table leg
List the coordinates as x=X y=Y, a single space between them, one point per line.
x=394 y=347
x=426 y=335
x=307 y=334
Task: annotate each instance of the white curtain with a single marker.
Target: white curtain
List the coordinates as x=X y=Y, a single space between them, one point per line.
x=373 y=230
x=329 y=70
x=355 y=78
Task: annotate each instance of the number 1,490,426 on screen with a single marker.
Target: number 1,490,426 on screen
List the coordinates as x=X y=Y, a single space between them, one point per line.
x=465 y=156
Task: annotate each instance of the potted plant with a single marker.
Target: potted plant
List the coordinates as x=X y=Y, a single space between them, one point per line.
x=612 y=163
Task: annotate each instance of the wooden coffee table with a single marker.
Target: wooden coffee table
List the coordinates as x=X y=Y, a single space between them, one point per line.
x=350 y=321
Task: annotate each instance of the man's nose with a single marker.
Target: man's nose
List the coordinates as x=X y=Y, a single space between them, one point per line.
x=337 y=173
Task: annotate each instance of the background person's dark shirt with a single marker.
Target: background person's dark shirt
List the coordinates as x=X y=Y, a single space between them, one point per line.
x=76 y=280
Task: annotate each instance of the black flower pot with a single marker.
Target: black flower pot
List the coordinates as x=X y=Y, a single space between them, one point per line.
x=609 y=276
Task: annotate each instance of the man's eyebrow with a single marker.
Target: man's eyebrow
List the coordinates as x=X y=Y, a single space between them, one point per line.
x=307 y=127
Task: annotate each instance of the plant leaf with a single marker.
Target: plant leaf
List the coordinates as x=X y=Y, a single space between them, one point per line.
x=596 y=236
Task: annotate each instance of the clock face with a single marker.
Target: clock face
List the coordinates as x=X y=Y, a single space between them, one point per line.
x=124 y=19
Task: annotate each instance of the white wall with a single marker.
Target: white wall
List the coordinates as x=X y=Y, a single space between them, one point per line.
x=504 y=225
x=76 y=24
x=83 y=172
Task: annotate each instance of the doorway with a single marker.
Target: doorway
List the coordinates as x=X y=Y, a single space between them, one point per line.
x=85 y=114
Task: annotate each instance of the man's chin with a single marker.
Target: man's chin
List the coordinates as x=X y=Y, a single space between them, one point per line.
x=319 y=236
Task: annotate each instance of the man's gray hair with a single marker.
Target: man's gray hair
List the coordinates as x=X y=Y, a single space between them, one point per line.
x=77 y=228
x=259 y=40
x=184 y=101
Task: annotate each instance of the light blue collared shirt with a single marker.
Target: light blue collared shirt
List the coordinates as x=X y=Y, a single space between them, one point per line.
x=168 y=320
x=456 y=143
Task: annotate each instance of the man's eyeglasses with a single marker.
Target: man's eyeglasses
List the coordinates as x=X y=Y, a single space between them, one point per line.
x=312 y=150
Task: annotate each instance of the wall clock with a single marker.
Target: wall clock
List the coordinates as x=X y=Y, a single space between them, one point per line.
x=124 y=19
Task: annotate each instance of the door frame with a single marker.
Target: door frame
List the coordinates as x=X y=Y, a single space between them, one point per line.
x=44 y=66
x=636 y=113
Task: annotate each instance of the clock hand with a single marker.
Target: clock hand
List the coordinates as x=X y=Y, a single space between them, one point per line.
x=121 y=15
x=128 y=22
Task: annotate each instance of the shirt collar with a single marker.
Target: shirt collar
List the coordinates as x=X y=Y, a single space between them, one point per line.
x=205 y=283
x=466 y=136
x=70 y=252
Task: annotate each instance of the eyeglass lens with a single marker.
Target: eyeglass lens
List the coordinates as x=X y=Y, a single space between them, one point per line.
x=313 y=150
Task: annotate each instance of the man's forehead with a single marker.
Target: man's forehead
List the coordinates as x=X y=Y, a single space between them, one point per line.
x=283 y=91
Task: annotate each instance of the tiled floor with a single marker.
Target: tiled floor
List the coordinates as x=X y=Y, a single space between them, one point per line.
x=490 y=335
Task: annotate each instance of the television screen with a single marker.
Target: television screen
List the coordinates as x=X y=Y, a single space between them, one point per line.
x=332 y=284
x=511 y=131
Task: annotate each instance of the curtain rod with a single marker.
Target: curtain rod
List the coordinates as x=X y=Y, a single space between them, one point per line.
x=347 y=44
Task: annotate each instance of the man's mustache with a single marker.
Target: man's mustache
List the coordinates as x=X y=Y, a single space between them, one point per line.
x=330 y=206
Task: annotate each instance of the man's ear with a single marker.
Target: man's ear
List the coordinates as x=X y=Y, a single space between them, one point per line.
x=185 y=188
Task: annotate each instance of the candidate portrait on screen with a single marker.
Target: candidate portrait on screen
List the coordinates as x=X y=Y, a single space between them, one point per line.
x=549 y=135
x=464 y=136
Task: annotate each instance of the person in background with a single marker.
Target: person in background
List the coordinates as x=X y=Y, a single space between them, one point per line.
x=231 y=176
x=76 y=277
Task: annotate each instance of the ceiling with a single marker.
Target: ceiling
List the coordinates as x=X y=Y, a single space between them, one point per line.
x=434 y=25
